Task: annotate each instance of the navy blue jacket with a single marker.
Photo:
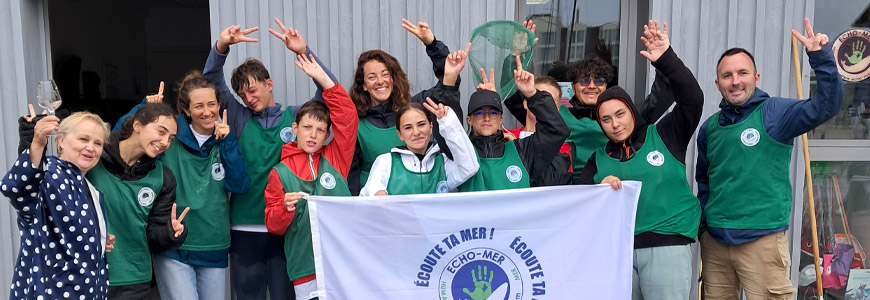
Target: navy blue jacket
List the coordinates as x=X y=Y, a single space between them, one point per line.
x=784 y=119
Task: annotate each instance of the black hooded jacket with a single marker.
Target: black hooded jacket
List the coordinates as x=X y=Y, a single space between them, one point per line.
x=675 y=129
x=538 y=151
x=159 y=231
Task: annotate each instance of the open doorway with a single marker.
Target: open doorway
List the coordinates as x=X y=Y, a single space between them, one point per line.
x=107 y=55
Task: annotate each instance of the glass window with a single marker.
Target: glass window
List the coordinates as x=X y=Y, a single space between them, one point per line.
x=853 y=119
x=571 y=30
x=842 y=202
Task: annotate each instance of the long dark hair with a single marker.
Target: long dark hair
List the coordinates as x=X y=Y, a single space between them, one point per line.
x=401 y=94
x=148 y=113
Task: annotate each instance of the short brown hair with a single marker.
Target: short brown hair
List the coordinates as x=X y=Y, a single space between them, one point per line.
x=547 y=80
x=316 y=110
x=592 y=65
x=250 y=68
x=401 y=94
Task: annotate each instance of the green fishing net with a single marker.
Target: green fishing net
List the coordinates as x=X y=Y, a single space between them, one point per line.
x=495 y=45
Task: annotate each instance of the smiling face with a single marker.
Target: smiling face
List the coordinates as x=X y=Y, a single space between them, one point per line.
x=616 y=120
x=588 y=88
x=155 y=137
x=257 y=94
x=82 y=145
x=310 y=133
x=485 y=121
x=203 y=110
x=415 y=130
x=378 y=81
x=736 y=78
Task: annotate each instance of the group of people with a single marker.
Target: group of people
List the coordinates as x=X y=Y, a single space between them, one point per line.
x=101 y=218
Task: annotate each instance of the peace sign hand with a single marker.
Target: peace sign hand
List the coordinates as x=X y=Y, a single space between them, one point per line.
x=291 y=38
x=438 y=109
x=421 y=30
x=456 y=61
x=313 y=70
x=655 y=40
x=158 y=98
x=222 y=127
x=525 y=80
x=488 y=83
x=813 y=41
x=33 y=115
x=234 y=35
x=177 y=226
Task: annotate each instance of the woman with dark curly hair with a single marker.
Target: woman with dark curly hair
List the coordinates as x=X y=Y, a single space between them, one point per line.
x=380 y=88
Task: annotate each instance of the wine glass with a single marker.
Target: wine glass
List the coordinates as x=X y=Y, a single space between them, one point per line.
x=48 y=98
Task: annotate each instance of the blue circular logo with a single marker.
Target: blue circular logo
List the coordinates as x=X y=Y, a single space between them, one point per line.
x=287 y=135
x=479 y=274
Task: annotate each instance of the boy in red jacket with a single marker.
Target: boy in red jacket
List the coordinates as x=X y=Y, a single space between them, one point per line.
x=309 y=166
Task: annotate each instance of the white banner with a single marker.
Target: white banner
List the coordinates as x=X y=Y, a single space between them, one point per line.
x=567 y=242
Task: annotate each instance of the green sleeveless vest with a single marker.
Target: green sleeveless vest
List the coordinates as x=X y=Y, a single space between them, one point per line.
x=585 y=137
x=667 y=204
x=407 y=182
x=127 y=206
x=200 y=186
x=373 y=142
x=298 y=247
x=499 y=173
x=749 y=183
x=261 y=148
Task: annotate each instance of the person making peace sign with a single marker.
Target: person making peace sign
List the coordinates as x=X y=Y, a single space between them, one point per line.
x=208 y=163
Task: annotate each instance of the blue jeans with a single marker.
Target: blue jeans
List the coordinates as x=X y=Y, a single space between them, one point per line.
x=662 y=273
x=177 y=280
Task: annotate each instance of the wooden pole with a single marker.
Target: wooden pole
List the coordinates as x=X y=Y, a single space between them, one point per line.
x=809 y=175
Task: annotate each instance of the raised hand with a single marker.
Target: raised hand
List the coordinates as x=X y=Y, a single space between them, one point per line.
x=454 y=64
x=42 y=129
x=290 y=200
x=222 y=127
x=813 y=41
x=488 y=83
x=655 y=39
x=531 y=27
x=313 y=70
x=291 y=38
x=234 y=35
x=613 y=181
x=421 y=30
x=482 y=284
x=110 y=242
x=157 y=98
x=525 y=80
x=177 y=226
x=29 y=118
x=438 y=109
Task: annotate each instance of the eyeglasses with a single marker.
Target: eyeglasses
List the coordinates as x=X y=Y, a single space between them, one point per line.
x=480 y=113
x=586 y=80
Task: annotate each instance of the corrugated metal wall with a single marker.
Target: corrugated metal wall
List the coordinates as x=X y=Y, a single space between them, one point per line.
x=22 y=64
x=338 y=31
x=700 y=31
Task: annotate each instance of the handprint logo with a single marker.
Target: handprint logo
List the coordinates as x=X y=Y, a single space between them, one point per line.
x=858 y=48
x=482 y=284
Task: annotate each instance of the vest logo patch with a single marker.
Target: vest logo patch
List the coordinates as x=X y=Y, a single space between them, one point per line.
x=655 y=158
x=146 y=196
x=217 y=171
x=514 y=174
x=327 y=181
x=441 y=187
x=750 y=137
x=287 y=135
